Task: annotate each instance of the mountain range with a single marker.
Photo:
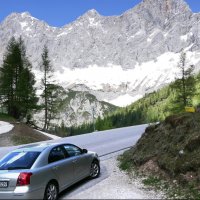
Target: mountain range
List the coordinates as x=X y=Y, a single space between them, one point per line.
x=118 y=59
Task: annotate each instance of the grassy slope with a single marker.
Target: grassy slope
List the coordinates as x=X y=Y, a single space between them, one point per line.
x=6 y=118
x=170 y=150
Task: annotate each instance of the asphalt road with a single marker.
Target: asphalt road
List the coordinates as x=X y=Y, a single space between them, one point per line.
x=105 y=143
x=102 y=142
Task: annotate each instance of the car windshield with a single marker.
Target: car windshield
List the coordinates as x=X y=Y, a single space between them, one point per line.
x=18 y=160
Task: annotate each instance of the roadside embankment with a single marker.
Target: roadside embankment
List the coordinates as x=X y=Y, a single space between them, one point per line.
x=169 y=153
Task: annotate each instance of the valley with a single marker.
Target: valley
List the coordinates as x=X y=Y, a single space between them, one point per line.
x=125 y=85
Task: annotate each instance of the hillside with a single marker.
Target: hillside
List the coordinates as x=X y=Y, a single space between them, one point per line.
x=153 y=107
x=170 y=150
x=76 y=108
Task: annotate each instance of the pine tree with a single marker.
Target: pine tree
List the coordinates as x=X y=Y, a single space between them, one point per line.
x=48 y=74
x=17 y=82
x=184 y=84
x=52 y=93
x=7 y=76
x=54 y=101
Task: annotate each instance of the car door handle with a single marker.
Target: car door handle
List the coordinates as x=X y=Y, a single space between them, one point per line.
x=55 y=167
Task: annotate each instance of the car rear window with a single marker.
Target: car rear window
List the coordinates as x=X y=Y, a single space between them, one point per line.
x=18 y=160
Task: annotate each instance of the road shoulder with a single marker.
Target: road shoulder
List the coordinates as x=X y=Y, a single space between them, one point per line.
x=116 y=185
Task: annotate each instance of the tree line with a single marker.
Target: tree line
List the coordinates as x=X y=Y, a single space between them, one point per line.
x=17 y=91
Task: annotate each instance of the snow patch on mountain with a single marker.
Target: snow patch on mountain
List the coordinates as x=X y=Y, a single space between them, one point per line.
x=131 y=83
x=124 y=100
x=24 y=24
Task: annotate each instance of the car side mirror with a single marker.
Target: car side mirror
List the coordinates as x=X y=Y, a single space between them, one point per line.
x=84 y=150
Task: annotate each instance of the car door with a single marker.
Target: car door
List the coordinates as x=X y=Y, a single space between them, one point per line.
x=62 y=166
x=80 y=161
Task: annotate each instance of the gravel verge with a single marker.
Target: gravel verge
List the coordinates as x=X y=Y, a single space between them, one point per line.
x=117 y=185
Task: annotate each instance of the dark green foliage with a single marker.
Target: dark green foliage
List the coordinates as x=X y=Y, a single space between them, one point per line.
x=54 y=101
x=17 y=81
x=152 y=181
x=6 y=117
x=184 y=85
x=51 y=93
x=125 y=163
x=71 y=131
x=84 y=128
x=47 y=70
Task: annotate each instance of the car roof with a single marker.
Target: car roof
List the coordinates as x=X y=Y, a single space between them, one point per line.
x=39 y=147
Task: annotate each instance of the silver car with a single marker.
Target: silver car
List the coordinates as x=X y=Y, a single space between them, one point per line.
x=42 y=171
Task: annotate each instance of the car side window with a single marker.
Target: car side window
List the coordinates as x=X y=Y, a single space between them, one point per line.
x=56 y=154
x=72 y=150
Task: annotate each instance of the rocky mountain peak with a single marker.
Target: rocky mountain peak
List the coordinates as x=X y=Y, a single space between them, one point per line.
x=92 y=13
x=166 y=6
x=159 y=12
x=24 y=16
x=24 y=22
x=90 y=18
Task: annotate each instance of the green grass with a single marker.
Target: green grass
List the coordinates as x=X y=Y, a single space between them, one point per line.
x=124 y=162
x=152 y=181
x=6 y=117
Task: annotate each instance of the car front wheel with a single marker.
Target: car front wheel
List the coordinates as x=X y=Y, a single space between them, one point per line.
x=94 y=170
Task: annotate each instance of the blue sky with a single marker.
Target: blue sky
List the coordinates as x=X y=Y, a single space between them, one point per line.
x=61 y=12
